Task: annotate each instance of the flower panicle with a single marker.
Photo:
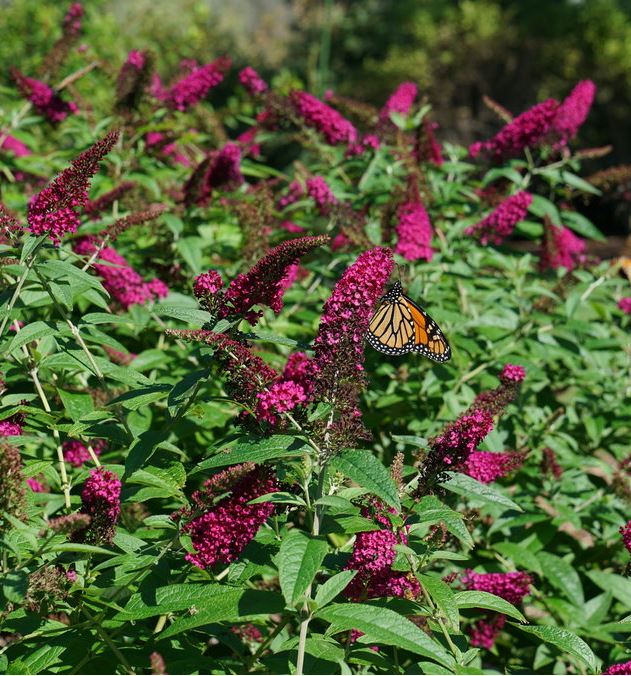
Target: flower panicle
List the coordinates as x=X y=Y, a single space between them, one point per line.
x=131 y=220
x=52 y=211
x=401 y=101
x=195 y=85
x=501 y=222
x=252 y=81
x=527 y=130
x=94 y=208
x=100 y=500
x=133 y=80
x=246 y=373
x=573 y=111
x=220 y=534
x=263 y=283
x=486 y=467
x=219 y=170
x=121 y=281
x=12 y=492
x=43 y=97
x=333 y=126
x=560 y=248
x=414 y=232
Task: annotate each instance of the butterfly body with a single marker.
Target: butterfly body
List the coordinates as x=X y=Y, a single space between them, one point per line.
x=400 y=326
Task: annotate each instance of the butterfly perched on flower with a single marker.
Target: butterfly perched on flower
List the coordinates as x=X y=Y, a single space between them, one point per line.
x=400 y=326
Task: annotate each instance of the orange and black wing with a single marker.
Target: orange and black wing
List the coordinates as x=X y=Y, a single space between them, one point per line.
x=391 y=329
x=400 y=326
x=429 y=340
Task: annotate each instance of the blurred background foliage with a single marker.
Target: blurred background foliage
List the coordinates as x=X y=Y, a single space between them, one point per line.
x=514 y=51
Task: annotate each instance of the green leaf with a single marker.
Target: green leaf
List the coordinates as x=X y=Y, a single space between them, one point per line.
x=565 y=640
x=369 y=473
x=444 y=598
x=579 y=183
x=333 y=586
x=137 y=398
x=383 y=625
x=299 y=560
x=190 y=249
x=38 y=661
x=187 y=314
x=619 y=586
x=80 y=548
x=582 y=225
x=542 y=206
x=520 y=555
x=256 y=450
x=431 y=510
x=14 y=586
x=482 y=599
x=234 y=605
x=30 y=332
x=562 y=576
x=77 y=404
x=462 y=484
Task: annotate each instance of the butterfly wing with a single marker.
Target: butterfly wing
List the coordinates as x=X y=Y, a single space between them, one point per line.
x=429 y=340
x=391 y=329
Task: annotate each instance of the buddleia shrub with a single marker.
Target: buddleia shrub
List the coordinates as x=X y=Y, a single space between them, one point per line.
x=205 y=466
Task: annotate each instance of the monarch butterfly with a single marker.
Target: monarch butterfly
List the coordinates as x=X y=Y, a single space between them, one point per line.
x=400 y=326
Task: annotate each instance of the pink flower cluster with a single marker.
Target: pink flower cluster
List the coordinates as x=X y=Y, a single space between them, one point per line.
x=13 y=145
x=574 y=110
x=10 y=428
x=35 y=485
x=487 y=467
x=401 y=101
x=165 y=148
x=77 y=453
x=414 y=232
x=222 y=533
x=196 y=84
x=252 y=81
x=300 y=369
x=52 y=211
x=280 y=397
x=625 y=305
x=339 y=345
x=136 y=59
x=561 y=248
x=335 y=128
x=372 y=558
x=321 y=194
x=525 y=131
x=625 y=531
x=512 y=587
x=486 y=630
x=294 y=192
x=620 y=668
x=72 y=20
x=499 y=224
x=208 y=283
x=101 y=502
x=512 y=373
x=427 y=148
x=120 y=280
x=45 y=100
x=461 y=438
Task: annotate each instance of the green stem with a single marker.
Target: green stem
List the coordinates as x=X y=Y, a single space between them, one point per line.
x=112 y=646
x=306 y=613
x=253 y=660
x=18 y=289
